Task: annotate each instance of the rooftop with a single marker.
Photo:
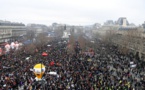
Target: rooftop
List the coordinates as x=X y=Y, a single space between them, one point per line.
x=8 y=23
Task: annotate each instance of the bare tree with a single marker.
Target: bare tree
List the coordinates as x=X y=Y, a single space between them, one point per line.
x=30 y=34
x=30 y=49
x=82 y=43
x=41 y=39
x=97 y=35
x=59 y=31
x=109 y=37
x=135 y=40
x=131 y=40
x=71 y=43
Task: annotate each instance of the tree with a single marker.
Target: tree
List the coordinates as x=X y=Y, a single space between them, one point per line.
x=82 y=43
x=71 y=43
x=30 y=34
x=42 y=40
x=109 y=36
x=135 y=40
x=59 y=31
x=131 y=40
x=30 y=49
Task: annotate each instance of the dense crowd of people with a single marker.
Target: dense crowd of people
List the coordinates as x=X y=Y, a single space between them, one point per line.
x=107 y=69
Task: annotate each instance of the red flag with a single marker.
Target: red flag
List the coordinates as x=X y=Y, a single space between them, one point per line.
x=1 y=51
x=44 y=54
x=51 y=63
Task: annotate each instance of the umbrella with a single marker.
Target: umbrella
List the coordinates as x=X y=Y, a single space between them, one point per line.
x=52 y=73
x=48 y=45
x=44 y=54
x=27 y=58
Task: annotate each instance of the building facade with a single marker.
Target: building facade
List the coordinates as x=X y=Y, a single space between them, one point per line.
x=10 y=31
x=122 y=21
x=37 y=28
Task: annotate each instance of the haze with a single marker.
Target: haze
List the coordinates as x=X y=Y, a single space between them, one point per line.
x=74 y=12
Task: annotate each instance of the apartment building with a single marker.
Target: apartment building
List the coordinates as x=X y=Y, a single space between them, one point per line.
x=10 y=31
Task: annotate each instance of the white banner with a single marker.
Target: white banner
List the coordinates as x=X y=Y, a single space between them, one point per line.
x=134 y=65
x=52 y=73
x=12 y=45
x=131 y=62
x=7 y=47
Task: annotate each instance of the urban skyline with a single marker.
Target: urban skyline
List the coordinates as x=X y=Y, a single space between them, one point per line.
x=107 y=22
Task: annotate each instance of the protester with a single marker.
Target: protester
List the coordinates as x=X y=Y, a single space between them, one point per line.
x=105 y=69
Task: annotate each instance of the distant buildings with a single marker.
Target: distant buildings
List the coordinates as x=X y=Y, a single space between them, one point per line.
x=51 y=34
x=56 y=26
x=37 y=28
x=121 y=24
x=8 y=23
x=124 y=24
x=10 y=31
x=122 y=21
x=109 y=22
x=96 y=26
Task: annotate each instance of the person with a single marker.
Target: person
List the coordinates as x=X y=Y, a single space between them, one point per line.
x=108 y=69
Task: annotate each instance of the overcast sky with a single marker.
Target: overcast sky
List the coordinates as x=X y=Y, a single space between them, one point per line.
x=74 y=12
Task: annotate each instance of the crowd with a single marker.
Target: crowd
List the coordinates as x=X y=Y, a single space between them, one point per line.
x=107 y=69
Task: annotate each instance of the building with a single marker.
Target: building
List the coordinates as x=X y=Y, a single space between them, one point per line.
x=125 y=25
x=10 y=31
x=109 y=22
x=37 y=28
x=58 y=26
x=51 y=34
x=122 y=21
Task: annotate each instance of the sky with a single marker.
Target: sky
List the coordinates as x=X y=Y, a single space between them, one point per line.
x=73 y=12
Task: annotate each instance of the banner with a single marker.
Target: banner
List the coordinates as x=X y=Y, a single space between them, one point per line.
x=12 y=45
x=134 y=65
x=7 y=47
x=52 y=73
x=1 y=51
x=131 y=63
x=52 y=63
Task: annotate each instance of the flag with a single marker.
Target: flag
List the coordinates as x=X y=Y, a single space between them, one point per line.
x=1 y=51
x=44 y=54
x=51 y=63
